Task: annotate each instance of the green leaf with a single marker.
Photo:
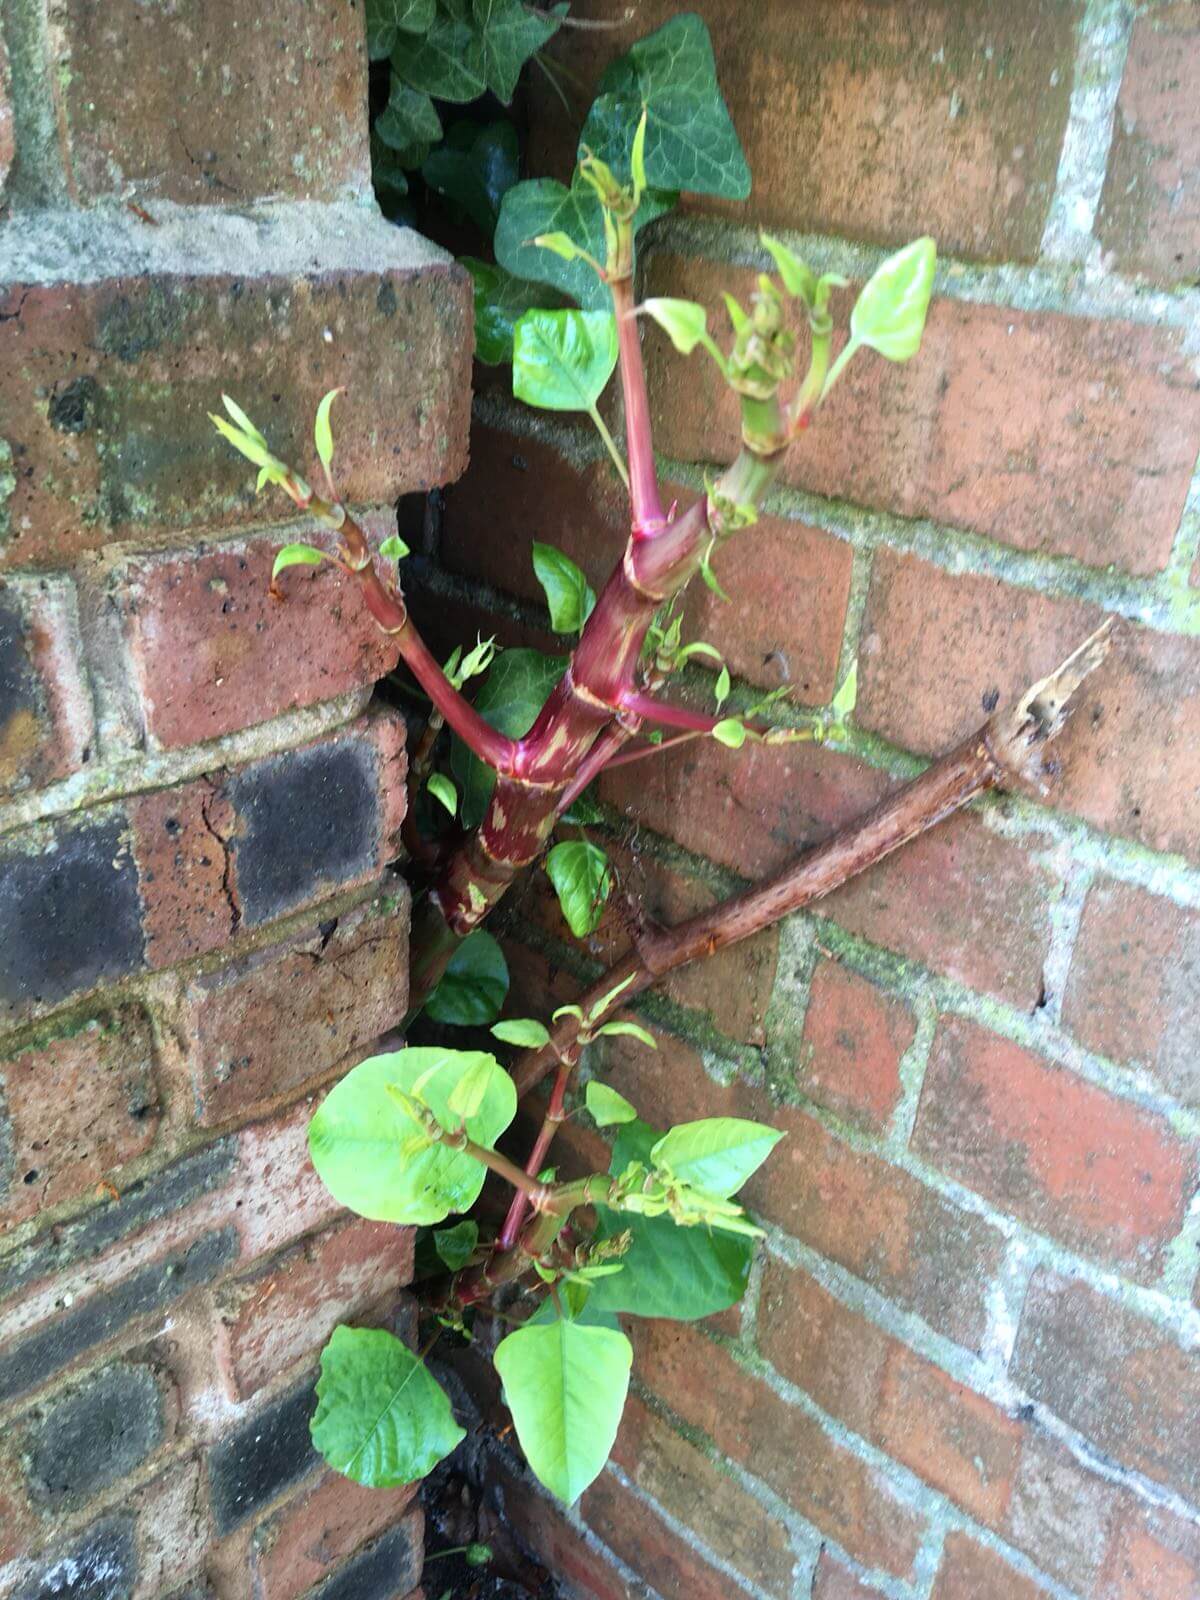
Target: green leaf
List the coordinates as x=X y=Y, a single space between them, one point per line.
x=468 y=1094
x=394 y=548
x=448 y=62
x=540 y=206
x=690 y=142
x=322 y=431
x=499 y=300
x=563 y=359
x=607 y=1106
x=723 y=685
x=729 y=731
x=582 y=880
x=374 y=1157
x=565 y=1384
x=455 y=1246
x=476 y=175
x=683 y=321
x=569 y=595
x=381 y=1418
x=799 y=279
x=408 y=119
x=716 y=1154
x=510 y=31
x=523 y=1031
x=511 y=697
x=473 y=986
x=846 y=698
x=387 y=172
x=629 y=1030
x=442 y=790
x=889 y=315
x=297 y=555
x=386 y=18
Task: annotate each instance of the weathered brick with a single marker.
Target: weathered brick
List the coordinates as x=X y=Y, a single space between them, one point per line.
x=1124 y=1383
x=385 y=1570
x=301 y=1544
x=81 y=1442
x=540 y=1523
x=212 y=651
x=1043 y=431
x=783 y=1445
x=936 y=647
x=852 y=118
x=97 y=451
x=285 y=1310
x=46 y=720
x=6 y=117
x=687 y=1486
x=136 y=96
x=959 y=899
x=74 y=1109
x=261 y=1457
x=854 y=1037
x=1072 y=1160
x=1153 y=1556
x=833 y=1581
x=970 y=1571
x=1133 y=985
x=27 y=1362
x=284 y=1017
x=1059 y=1513
x=100 y=1564
x=1149 y=216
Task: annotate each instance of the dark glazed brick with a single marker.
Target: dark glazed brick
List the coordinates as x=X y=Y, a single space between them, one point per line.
x=20 y=703
x=100 y=1566
x=94 y=1436
x=307 y=817
x=70 y=917
x=389 y=1568
x=270 y=1451
x=142 y=1203
x=30 y=1361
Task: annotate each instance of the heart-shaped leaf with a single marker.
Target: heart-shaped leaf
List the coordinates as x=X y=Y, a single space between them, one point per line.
x=606 y=1105
x=387 y=18
x=563 y=359
x=524 y=1031
x=381 y=1418
x=716 y=1154
x=448 y=61
x=500 y=299
x=455 y=1246
x=582 y=879
x=408 y=119
x=373 y=1155
x=473 y=986
x=510 y=31
x=889 y=315
x=569 y=595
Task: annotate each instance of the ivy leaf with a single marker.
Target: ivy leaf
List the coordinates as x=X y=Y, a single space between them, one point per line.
x=513 y=693
x=475 y=170
x=563 y=359
x=381 y=1418
x=565 y=1384
x=372 y=1154
x=387 y=173
x=473 y=986
x=569 y=595
x=448 y=62
x=716 y=1154
x=386 y=18
x=542 y=206
x=690 y=140
x=456 y=1245
x=524 y=1031
x=499 y=300
x=443 y=791
x=297 y=555
x=607 y=1106
x=582 y=880
x=408 y=118
x=510 y=31
x=889 y=315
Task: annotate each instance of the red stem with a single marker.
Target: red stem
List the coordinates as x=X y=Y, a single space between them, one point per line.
x=648 y=518
x=645 y=705
x=537 y=1156
x=623 y=758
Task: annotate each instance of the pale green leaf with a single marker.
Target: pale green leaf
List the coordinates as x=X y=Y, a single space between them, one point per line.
x=469 y=1093
x=630 y=1030
x=524 y=1031
x=473 y=986
x=569 y=595
x=798 y=277
x=889 y=315
x=381 y=1418
x=443 y=791
x=607 y=1106
x=243 y=421
x=716 y=1154
x=730 y=732
x=322 y=430
x=297 y=555
x=393 y=548
x=723 y=685
x=683 y=321
x=582 y=879
x=563 y=359
x=846 y=698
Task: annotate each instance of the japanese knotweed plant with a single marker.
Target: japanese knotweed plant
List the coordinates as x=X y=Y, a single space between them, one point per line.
x=410 y=1136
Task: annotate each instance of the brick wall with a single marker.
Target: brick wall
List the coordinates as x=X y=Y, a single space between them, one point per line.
x=969 y=1364
x=199 y=797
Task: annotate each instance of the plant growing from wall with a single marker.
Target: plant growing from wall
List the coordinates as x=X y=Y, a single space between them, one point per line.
x=410 y=1136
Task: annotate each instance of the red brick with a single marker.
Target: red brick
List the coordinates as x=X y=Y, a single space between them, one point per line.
x=1153 y=1556
x=833 y=1581
x=690 y=1489
x=283 y=1018
x=574 y=1560
x=179 y=112
x=875 y=121
x=275 y=1195
x=144 y=359
x=934 y=645
x=1132 y=988
x=1059 y=1513
x=1043 y=431
x=835 y=1490
x=854 y=1037
x=284 y=1311
x=960 y=899
x=317 y=1531
x=1149 y=215
x=1072 y=1160
x=970 y=1571
x=74 y=1110
x=211 y=651
x=880 y=1224
x=46 y=722
x=643 y=1541
x=1121 y=1381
